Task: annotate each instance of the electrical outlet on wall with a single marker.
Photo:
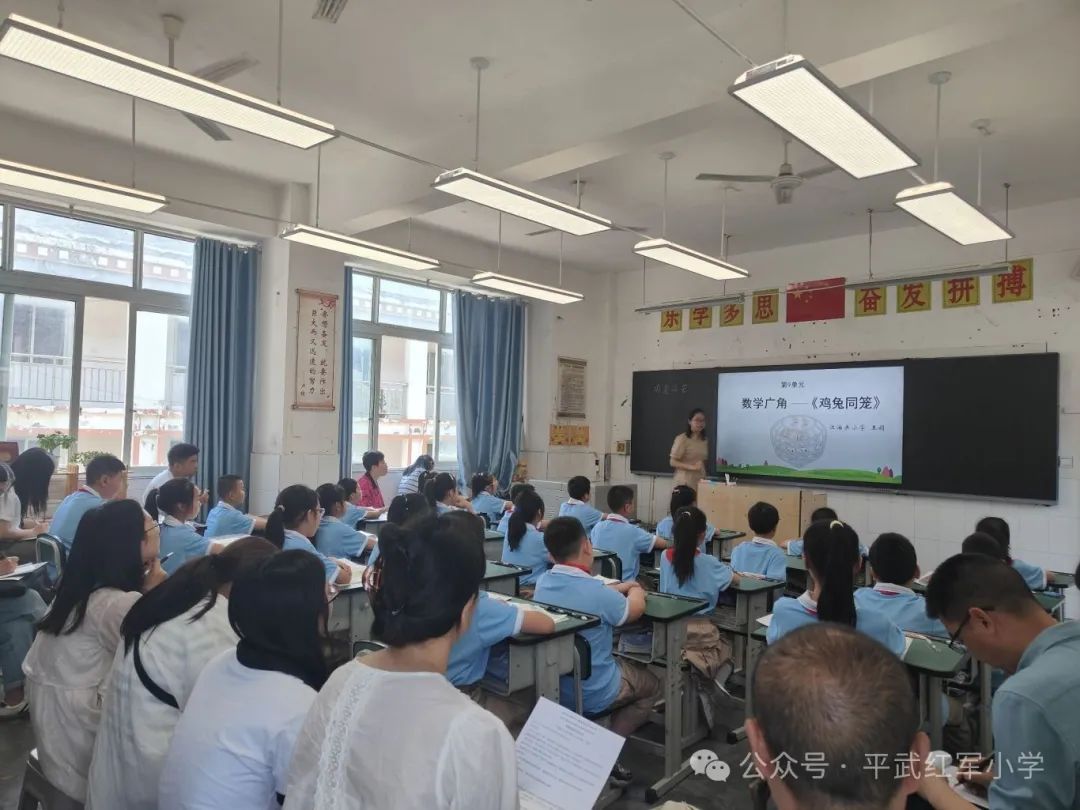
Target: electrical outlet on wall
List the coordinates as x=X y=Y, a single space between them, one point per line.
x=622 y=447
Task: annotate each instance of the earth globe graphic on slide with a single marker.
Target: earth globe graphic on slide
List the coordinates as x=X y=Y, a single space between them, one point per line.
x=799 y=440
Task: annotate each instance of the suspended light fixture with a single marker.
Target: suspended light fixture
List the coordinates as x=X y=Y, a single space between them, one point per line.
x=938 y=204
x=57 y=50
x=520 y=286
x=46 y=181
x=349 y=245
x=470 y=184
x=674 y=255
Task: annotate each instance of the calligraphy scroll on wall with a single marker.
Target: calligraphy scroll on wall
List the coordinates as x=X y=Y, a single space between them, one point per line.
x=316 y=351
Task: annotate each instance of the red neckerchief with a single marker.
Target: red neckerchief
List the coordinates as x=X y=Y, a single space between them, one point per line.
x=669 y=554
x=88 y=491
x=888 y=593
x=580 y=568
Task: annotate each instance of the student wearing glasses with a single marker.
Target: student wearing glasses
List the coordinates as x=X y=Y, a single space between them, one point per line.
x=294 y=521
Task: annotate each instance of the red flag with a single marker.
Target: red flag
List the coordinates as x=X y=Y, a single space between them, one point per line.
x=816 y=300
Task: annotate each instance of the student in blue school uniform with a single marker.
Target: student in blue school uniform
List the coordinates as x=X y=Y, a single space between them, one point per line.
x=681 y=497
x=334 y=538
x=493 y=621
x=227 y=517
x=354 y=512
x=523 y=543
x=685 y=571
x=832 y=559
x=795 y=547
x=1035 y=577
x=442 y=494
x=579 y=488
x=516 y=491
x=403 y=509
x=616 y=533
x=106 y=479
x=484 y=501
x=761 y=555
x=173 y=506
x=614 y=682
x=294 y=520
x=892 y=557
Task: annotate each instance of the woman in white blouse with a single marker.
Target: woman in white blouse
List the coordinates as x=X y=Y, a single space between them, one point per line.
x=170 y=634
x=113 y=561
x=389 y=730
x=232 y=747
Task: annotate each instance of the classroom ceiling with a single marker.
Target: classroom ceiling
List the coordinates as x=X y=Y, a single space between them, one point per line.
x=597 y=87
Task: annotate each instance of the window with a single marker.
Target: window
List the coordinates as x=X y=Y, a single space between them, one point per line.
x=94 y=350
x=403 y=384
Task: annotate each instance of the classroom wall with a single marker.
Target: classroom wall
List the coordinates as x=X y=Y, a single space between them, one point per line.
x=1046 y=535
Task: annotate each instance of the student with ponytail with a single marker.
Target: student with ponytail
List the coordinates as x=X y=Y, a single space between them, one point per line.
x=998 y=528
x=524 y=542
x=442 y=494
x=169 y=636
x=334 y=538
x=389 y=730
x=832 y=556
x=403 y=508
x=410 y=476
x=681 y=497
x=174 y=505
x=294 y=520
x=516 y=491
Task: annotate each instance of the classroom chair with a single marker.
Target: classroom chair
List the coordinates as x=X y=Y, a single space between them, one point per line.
x=39 y=792
x=49 y=549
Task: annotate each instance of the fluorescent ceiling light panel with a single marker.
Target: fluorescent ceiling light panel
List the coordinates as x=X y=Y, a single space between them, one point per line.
x=509 y=199
x=940 y=207
x=799 y=99
x=32 y=178
x=661 y=250
x=59 y=51
x=328 y=240
x=529 y=289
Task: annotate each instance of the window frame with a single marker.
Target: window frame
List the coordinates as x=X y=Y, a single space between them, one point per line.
x=374 y=330
x=42 y=285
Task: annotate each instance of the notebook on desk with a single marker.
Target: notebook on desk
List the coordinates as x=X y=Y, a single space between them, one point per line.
x=24 y=569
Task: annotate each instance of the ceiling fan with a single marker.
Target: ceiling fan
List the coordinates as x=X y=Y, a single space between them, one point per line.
x=783 y=183
x=579 y=185
x=216 y=73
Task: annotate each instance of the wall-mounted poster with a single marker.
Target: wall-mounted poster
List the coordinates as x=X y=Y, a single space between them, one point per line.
x=316 y=351
x=571 y=389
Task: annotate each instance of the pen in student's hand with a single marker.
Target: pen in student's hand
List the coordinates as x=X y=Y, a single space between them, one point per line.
x=166 y=558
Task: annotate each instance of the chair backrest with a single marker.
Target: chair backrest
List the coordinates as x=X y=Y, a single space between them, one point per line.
x=584 y=655
x=49 y=549
x=38 y=793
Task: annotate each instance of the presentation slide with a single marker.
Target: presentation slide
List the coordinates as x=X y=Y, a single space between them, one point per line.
x=830 y=424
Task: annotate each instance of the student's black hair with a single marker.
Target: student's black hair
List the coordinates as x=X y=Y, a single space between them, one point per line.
x=330 y=495
x=528 y=508
x=226 y=484
x=689 y=525
x=893 y=558
x=106 y=553
x=100 y=466
x=196 y=581
x=578 y=487
x=763 y=518
x=465 y=523
x=181 y=452
x=278 y=608
x=965 y=581
x=349 y=487
x=518 y=489
x=291 y=505
x=169 y=498
x=480 y=481
x=691 y=415
x=407 y=507
x=426 y=573
x=823 y=513
x=831 y=550
x=983 y=543
x=618 y=497
x=371 y=459
x=33 y=471
x=424 y=462
x=998 y=529
x=424 y=479
x=681 y=496
x=563 y=538
x=438 y=487
x=853 y=696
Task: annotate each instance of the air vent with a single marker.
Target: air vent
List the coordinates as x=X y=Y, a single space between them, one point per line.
x=329 y=10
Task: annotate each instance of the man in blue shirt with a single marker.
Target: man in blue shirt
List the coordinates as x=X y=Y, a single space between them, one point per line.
x=985 y=605
x=106 y=479
x=579 y=488
x=616 y=533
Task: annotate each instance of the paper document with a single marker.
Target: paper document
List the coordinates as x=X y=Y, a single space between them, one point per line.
x=907 y=646
x=964 y=791
x=558 y=618
x=765 y=620
x=563 y=759
x=924 y=580
x=358 y=570
x=225 y=539
x=606 y=580
x=24 y=569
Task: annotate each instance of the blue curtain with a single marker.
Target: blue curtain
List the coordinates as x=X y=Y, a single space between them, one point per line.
x=489 y=348
x=345 y=400
x=221 y=366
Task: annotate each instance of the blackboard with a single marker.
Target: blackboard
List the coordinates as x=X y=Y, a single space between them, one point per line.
x=660 y=404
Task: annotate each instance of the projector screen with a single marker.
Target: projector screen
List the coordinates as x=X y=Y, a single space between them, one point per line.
x=840 y=424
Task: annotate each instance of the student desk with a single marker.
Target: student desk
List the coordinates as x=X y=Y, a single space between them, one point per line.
x=607 y=564
x=797 y=574
x=492 y=545
x=538 y=661
x=500 y=577
x=753 y=599
x=373 y=526
x=1059 y=581
x=351 y=611
x=933 y=662
x=673 y=614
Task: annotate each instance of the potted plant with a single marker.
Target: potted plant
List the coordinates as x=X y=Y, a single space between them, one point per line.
x=51 y=442
x=84 y=458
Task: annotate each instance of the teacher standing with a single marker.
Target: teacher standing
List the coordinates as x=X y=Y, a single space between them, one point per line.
x=690 y=450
